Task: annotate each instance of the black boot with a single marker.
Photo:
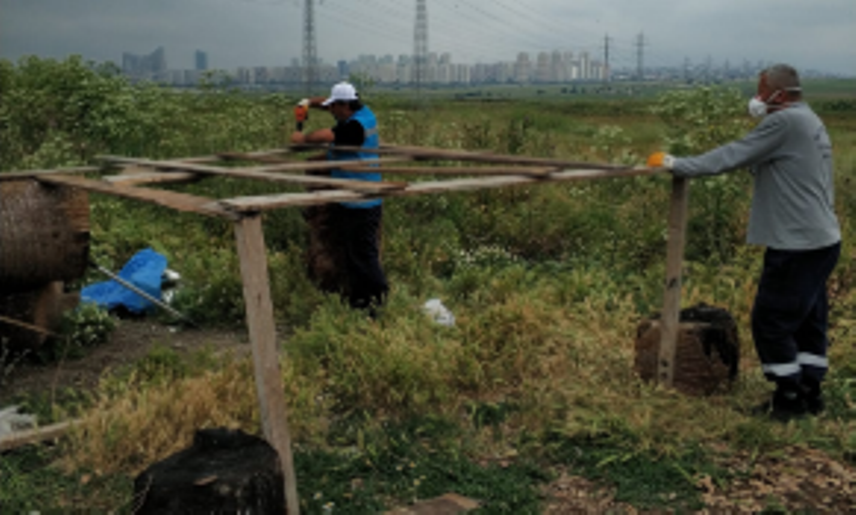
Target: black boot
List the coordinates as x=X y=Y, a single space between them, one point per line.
x=813 y=396
x=788 y=403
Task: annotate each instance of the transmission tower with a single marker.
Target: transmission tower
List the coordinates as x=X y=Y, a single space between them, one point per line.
x=420 y=46
x=310 y=54
x=640 y=56
x=606 y=73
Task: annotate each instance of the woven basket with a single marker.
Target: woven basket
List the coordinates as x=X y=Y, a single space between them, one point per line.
x=44 y=235
x=706 y=359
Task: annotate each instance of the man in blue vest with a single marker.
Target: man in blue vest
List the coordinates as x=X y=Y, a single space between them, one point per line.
x=355 y=226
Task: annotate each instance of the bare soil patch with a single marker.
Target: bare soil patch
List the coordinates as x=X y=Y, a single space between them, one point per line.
x=131 y=341
x=803 y=481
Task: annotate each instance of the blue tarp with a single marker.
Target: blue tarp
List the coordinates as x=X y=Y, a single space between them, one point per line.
x=144 y=270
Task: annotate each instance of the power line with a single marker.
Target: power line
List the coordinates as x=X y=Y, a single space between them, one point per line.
x=454 y=34
x=480 y=16
x=460 y=25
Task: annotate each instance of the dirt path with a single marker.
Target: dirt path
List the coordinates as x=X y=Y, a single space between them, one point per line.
x=131 y=340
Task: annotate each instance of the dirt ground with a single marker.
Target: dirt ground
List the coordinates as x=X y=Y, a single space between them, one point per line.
x=131 y=340
x=805 y=480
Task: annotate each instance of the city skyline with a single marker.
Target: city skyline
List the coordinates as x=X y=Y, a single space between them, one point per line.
x=269 y=32
x=554 y=67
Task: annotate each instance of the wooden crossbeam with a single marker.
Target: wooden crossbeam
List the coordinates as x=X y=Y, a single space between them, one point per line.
x=267 y=173
x=264 y=156
x=171 y=199
x=214 y=158
x=30 y=174
x=246 y=156
x=460 y=170
x=29 y=327
x=37 y=435
x=267 y=202
x=425 y=153
x=26 y=174
x=289 y=166
x=136 y=179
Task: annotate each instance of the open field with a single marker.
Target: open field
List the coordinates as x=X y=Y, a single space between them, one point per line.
x=530 y=392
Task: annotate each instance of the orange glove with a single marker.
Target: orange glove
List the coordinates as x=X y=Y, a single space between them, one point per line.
x=661 y=160
x=301 y=113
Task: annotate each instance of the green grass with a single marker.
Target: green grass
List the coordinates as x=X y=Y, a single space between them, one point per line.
x=29 y=482
x=372 y=469
x=641 y=479
x=419 y=459
x=377 y=470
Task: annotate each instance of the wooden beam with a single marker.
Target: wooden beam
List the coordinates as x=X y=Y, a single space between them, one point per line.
x=263 y=154
x=290 y=166
x=26 y=174
x=29 y=327
x=263 y=203
x=215 y=158
x=246 y=156
x=425 y=153
x=170 y=199
x=670 y=321
x=266 y=173
x=136 y=179
x=459 y=170
x=37 y=435
x=32 y=174
x=252 y=253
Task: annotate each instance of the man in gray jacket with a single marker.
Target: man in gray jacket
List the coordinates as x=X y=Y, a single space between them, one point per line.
x=790 y=156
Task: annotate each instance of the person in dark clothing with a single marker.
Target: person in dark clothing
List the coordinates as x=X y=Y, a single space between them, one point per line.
x=793 y=216
x=355 y=226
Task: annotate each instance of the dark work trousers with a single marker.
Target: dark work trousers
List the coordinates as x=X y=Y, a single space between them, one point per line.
x=789 y=319
x=357 y=231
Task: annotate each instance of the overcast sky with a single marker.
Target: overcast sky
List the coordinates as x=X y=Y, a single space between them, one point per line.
x=810 y=34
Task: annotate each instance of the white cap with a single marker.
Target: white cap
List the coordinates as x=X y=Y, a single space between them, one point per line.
x=342 y=92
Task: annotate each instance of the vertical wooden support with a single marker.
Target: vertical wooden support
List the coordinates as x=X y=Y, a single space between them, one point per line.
x=670 y=320
x=252 y=253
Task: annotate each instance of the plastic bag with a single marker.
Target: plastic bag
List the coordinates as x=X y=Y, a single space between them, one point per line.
x=439 y=313
x=144 y=270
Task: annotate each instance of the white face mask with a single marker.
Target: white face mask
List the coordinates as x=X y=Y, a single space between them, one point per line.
x=759 y=108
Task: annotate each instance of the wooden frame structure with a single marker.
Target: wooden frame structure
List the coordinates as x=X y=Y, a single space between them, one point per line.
x=485 y=170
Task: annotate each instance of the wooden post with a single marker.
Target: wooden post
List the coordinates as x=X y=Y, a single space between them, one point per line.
x=670 y=320
x=252 y=253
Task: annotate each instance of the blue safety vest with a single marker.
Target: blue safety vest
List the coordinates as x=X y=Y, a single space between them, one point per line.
x=367 y=119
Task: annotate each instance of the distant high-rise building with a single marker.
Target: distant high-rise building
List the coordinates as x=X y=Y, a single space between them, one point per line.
x=344 y=69
x=557 y=67
x=201 y=59
x=542 y=67
x=585 y=66
x=522 y=68
x=151 y=66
